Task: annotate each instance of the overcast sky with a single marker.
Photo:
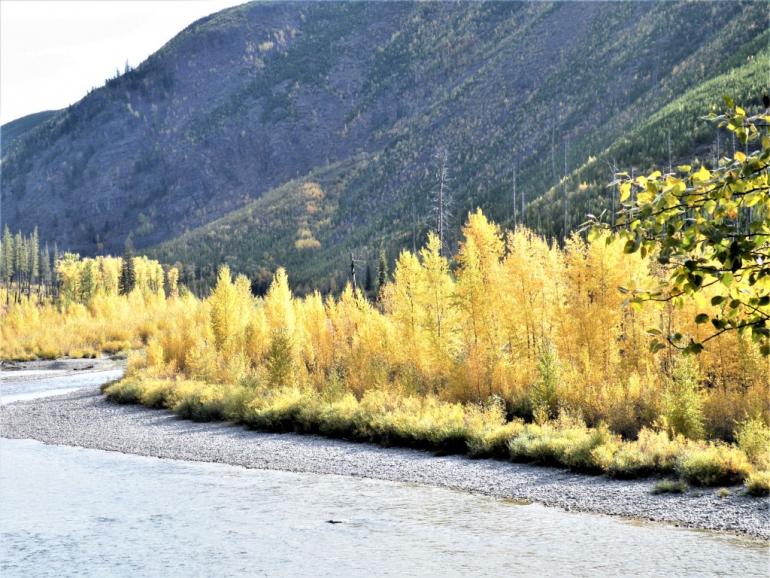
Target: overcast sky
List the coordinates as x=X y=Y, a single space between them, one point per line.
x=53 y=52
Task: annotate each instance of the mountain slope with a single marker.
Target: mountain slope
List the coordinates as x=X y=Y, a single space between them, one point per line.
x=12 y=131
x=212 y=146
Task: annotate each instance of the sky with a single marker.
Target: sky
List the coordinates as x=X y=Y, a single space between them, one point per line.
x=52 y=52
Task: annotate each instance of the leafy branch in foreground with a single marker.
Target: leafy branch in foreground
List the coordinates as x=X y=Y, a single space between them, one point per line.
x=710 y=230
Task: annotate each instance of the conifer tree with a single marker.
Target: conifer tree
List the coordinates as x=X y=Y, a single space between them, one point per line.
x=8 y=261
x=55 y=270
x=87 y=283
x=382 y=274
x=33 y=250
x=45 y=268
x=127 y=272
x=21 y=262
x=368 y=280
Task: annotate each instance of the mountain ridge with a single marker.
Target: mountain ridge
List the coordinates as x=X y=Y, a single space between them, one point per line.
x=250 y=103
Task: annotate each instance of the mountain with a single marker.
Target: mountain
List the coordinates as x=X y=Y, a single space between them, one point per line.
x=12 y=131
x=292 y=134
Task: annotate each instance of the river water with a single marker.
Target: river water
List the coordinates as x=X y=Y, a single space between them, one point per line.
x=68 y=511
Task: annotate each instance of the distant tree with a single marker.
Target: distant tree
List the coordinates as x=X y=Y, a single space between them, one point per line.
x=87 y=284
x=45 y=268
x=514 y=216
x=369 y=280
x=441 y=198
x=33 y=250
x=21 y=262
x=382 y=273
x=55 y=269
x=127 y=272
x=8 y=262
x=172 y=282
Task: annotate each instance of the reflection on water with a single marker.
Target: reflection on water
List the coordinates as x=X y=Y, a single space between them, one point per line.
x=66 y=511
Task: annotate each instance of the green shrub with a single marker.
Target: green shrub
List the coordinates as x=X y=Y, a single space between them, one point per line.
x=629 y=461
x=280 y=364
x=199 y=406
x=713 y=464
x=753 y=437
x=493 y=442
x=158 y=394
x=544 y=394
x=758 y=484
x=124 y=391
x=683 y=400
x=565 y=442
x=277 y=410
x=669 y=487
x=235 y=401
x=652 y=452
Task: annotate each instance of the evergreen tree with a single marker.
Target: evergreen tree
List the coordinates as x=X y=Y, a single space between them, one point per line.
x=87 y=282
x=33 y=251
x=55 y=269
x=382 y=273
x=20 y=261
x=45 y=267
x=368 y=281
x=8 y=260
x=127 y=272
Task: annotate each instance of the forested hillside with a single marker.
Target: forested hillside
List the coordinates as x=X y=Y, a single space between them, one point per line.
x=291 y=134
x=12 y=131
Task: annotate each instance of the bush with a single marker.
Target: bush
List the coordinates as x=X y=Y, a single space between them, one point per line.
x=113 y=347
x=158 y=393
x=124 y=391
x=493 y=442
x=565 y=442
x=392 y=418
x=236 y=400
x=669 y=487
x=758 y=484
x=280 y=362
x=683 y=401
x=277 y=410
x=713 y=464
x=545 y=390
x=753 y=437
x=203 y=404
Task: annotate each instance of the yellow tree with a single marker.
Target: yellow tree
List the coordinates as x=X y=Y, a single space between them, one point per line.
x=403 y=301
x=225 y=311
x=439 y=318
x=479 y=291
x=532 y=301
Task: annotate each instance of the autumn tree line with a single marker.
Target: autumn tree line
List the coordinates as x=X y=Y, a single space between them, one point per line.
x=25 y=266
x=27 y=270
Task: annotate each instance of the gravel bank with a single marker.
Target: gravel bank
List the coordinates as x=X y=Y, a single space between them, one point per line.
x=84 y=418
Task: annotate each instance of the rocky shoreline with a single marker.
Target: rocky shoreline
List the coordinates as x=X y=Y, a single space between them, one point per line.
x=85 y=419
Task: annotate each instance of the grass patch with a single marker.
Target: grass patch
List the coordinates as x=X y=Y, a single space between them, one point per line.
x=669 y=487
